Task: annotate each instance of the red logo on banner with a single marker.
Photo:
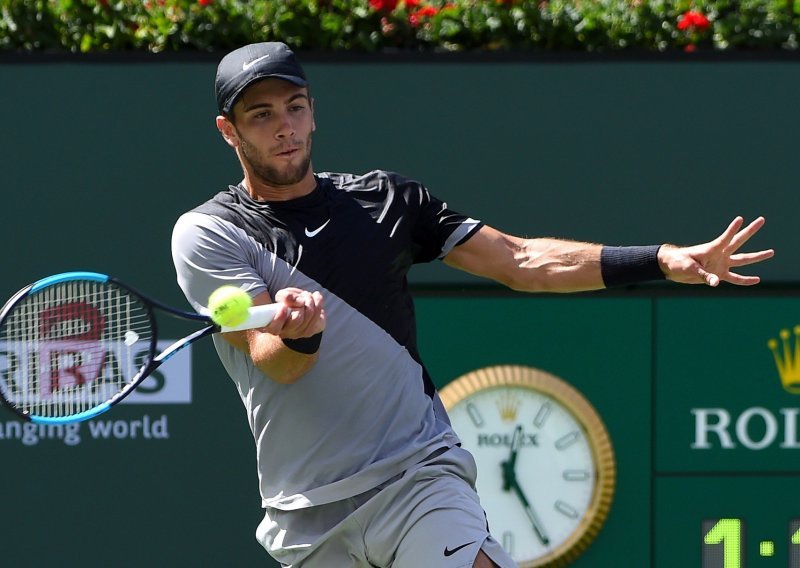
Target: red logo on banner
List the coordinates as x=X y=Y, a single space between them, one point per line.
x=71 y=353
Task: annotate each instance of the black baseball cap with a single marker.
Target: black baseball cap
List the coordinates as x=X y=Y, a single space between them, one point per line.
x=244 y=66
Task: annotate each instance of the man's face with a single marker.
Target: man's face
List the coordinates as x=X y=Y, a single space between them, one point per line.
x=274 y=121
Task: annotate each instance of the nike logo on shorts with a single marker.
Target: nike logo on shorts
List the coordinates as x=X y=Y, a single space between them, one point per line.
x=316 y=231
x=450 y=552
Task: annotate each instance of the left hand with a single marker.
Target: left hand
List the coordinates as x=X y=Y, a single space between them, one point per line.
x=710 y=263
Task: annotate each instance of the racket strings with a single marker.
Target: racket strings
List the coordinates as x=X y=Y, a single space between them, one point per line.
x=72 y=346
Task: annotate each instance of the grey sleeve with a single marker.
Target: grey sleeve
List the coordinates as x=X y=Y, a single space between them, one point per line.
x=209 y=253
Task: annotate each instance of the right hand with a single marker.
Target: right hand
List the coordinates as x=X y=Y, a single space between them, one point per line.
x=304 y=317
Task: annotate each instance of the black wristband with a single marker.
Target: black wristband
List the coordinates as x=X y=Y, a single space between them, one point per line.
x=629 y=265
x=305 y=345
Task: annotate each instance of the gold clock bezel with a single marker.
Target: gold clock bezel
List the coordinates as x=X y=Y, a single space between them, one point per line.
x=599 y=441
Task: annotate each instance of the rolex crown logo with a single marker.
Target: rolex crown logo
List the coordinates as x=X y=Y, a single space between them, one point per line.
x=787 y=358
x=508 y=405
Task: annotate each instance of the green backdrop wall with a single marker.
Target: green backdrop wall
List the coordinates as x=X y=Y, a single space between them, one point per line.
x=100 y=157
x=615 y=152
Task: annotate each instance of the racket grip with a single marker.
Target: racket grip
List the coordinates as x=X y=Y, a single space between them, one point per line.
x=259 y=317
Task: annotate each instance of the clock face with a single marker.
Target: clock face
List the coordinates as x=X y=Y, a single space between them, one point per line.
x=539 y=478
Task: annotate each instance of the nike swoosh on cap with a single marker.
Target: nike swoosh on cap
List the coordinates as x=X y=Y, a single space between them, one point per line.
x=249 y=64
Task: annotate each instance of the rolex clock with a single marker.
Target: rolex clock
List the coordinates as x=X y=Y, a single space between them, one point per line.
x=546 y=470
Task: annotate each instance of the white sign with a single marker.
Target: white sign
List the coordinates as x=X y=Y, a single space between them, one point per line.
x=51 y=368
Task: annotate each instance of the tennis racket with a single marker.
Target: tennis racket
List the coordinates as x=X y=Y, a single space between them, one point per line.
x=75 y=344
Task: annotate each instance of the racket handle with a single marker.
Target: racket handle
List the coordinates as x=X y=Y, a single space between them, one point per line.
x=259 y=317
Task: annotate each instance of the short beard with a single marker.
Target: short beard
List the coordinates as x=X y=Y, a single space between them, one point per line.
x=270 y=175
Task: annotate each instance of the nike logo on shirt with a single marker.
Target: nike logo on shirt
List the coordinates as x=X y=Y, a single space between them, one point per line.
x=249 y=64
x=316 y=231
x=449 y=552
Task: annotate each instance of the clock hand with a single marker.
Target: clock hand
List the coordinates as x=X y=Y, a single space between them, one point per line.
x=510 y=483
x=535 y=522
x=509 y=467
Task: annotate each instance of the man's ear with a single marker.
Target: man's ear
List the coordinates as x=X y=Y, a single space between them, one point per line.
x=226 y=128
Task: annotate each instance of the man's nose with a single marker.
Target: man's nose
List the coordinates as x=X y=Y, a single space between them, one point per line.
x=285 y=128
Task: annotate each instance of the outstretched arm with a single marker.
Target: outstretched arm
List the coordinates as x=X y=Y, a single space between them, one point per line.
x=556 y=265
x=529 y=265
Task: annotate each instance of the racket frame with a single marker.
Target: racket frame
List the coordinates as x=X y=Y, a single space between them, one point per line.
x=154 y=360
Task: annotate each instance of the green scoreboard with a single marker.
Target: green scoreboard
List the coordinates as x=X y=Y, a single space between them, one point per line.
x=727 y=467
x=700 y=396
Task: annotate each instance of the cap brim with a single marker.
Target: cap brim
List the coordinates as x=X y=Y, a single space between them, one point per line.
x=299 y=81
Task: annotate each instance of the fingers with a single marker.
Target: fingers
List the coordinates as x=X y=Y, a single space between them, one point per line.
x=305 y=316
x=278 y=320
x=709 y=278
x=743 y=259
x=713 y=280
x=741 y=237
x=729 y=234
x=740 y=280
x=290 y=296
x=718 y=258
x=305 y=306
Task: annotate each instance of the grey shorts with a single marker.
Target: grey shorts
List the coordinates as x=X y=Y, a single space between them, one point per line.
x=428 y=516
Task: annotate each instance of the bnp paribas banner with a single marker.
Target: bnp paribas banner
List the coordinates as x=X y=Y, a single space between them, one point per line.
x=727 y=376
x=170 y=385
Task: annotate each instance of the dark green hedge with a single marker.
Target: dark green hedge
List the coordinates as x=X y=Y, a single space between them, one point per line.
x=413 y=25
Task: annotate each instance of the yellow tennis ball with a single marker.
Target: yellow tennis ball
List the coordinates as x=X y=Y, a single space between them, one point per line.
x=228 y=306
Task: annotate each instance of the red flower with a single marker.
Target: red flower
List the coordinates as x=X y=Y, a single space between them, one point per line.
x=693 y=20
x=425 y=12
x=387 y=27
x=411 y=4
x=205 y=2
x=383 y=5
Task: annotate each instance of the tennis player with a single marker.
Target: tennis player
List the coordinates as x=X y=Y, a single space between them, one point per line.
x=358 y=465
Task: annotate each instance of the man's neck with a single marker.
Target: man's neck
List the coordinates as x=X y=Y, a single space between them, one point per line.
x=260 y=191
